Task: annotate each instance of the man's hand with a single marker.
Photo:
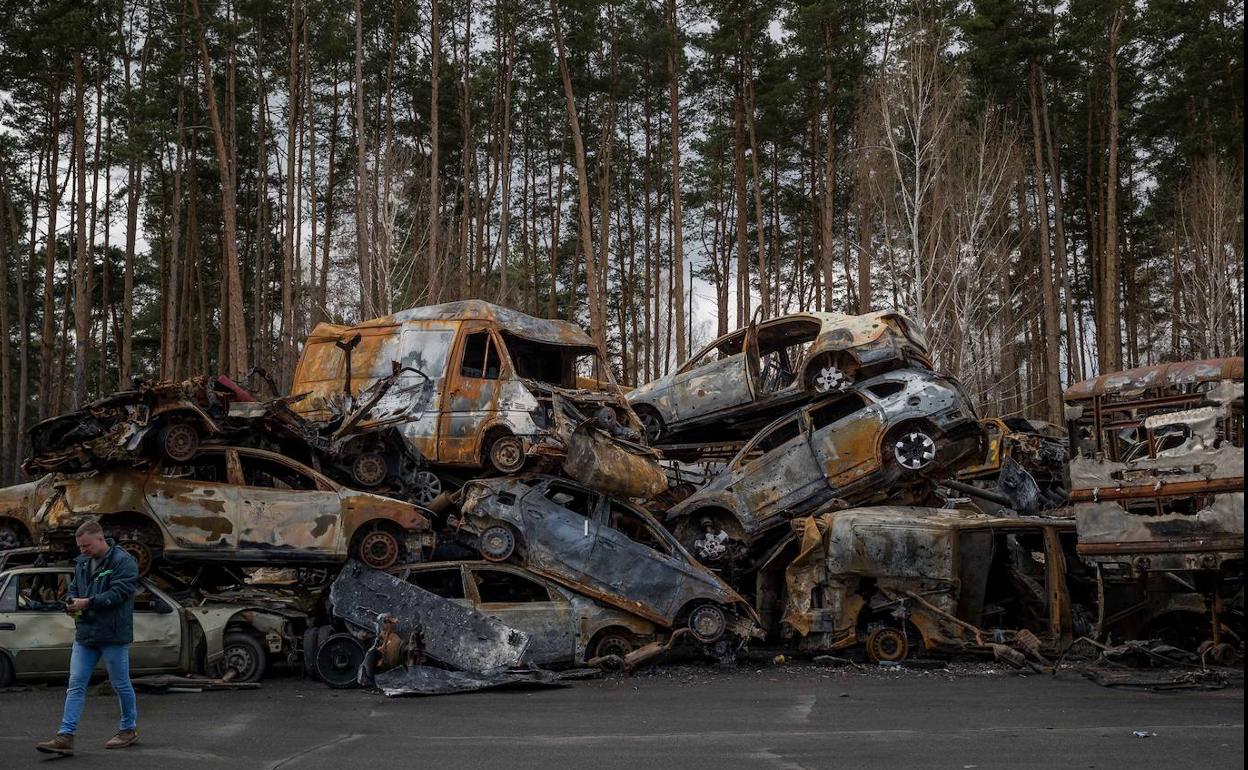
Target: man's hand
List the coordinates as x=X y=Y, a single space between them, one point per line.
x=77 y=605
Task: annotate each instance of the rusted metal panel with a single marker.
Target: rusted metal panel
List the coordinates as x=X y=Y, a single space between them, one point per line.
x=453 y=633
x=1178 y=373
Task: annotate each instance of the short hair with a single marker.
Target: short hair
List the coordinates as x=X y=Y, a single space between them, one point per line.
x=89 y=528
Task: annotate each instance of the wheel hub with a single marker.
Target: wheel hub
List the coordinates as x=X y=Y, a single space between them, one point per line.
x=914 y=450
x=369 y=469
x=508 y=454
x=425 y=487
x=497 y=543
x=379 y=550
x=831 y=378
x=707 y=623
x=887 y=644
x=180 y=441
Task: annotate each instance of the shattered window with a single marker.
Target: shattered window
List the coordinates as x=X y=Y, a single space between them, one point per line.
x=208 y=467
x=498 y=587
x=555 y=364
x=41 y=592
x=480 y=358
x=779 y=435
x=635 y=528
x=426 y=350
x=886 y=389
x=446 y=583
x=146 y=601
x=575 y=500
x=836 y=410
x=263 y=472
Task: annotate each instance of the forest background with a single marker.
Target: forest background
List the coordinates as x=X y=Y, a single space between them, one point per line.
x=1052 y=189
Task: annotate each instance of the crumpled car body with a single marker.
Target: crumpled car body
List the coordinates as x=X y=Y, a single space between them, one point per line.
x=19 y=508
x=602 y=547
x=1024 y=461
x=742 y=380
x=565 y=628
x=887 y=438
x=1157 y=491
x=169 y=417
x=897 y=579
x=192 y=636
x=479 y=387
x=240 y=505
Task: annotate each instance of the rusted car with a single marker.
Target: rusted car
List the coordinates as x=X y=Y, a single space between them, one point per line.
x=603 y=547
x=1157 y=489
x=168 y=418
x=238 y=632
x=887 y=438
x=899 y=581
x=565 y=627
x=240 y=505
x=742 y=380
x=483 y=387
x=19 y=506
x=1023 y=468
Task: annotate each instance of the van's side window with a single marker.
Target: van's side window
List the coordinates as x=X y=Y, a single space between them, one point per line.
x=480 y=357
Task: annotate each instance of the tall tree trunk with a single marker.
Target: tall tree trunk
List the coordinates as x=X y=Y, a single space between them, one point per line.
x=235 y=331
x=597 y=318
x=286 y=334
x=435 y=53
x=673 y=104
x=764 y=293
x=743 y=217
x=827 y=210
x=1051 y=330
x=504 y=217
x=82 y=271
x=1073 y=363
x=1111 y=357
x=363 y=251
x=48 y=332
x=169 y=334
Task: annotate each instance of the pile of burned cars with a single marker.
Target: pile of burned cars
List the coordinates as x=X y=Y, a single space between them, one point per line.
x=460 y=497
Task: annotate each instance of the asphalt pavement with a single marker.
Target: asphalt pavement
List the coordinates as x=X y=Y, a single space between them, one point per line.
x=690 y=717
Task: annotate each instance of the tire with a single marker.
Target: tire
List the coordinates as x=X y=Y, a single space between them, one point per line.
x=888 y=645
x=652 y=427
x=309 y=652
x=707 y=623
x=179 y=441
x=828 y=374
x=506 y=454
x=911 y=447
x=497 y=543
x=6 y=671
x=12 y=535
x=613 y=641
x=245 y=656
x=141 y=540
x=338 y=661
x=379 y=548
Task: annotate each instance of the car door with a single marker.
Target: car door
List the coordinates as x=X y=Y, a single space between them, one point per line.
x=285 y=510
x=195 y=502
x=710 y=384
x=530 y=606
x=845 y=435
x=427 y=351
x=158 y=628
x=472 y=396
x=560 y=528
x=633 y=562
x=35 y=629
x=785 y=478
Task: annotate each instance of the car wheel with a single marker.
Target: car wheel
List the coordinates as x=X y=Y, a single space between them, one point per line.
x=913 y=448
x=617 y=643
x=179 y=441
x=507 y=454
x=707 y=623
x=6 y=671
x=244 y=659
x=11 y=536
x=497 y=543
x=887 y=645
x=425 y=488
x=338 y=661
x=369 y=469
x=651 y=425
x=309 y=651
x=379 y=549
x=829 y=375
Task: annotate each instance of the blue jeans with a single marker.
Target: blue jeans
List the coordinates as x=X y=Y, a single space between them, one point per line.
x=81 y=664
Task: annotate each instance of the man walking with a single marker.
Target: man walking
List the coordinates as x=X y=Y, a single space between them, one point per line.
x=101 y=598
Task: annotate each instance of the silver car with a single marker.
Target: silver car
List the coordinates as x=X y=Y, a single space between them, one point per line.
x=885 y=437
x=743 y=380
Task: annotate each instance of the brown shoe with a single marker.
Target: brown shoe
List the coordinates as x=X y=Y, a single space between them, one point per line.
x=62 y=744
x=123 y=739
